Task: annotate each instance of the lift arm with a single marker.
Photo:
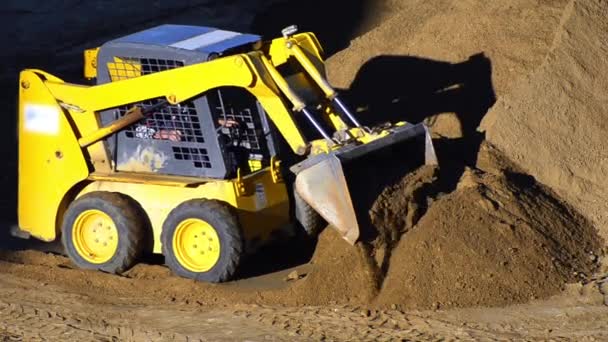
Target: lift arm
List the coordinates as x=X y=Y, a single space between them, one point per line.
x=177 y=85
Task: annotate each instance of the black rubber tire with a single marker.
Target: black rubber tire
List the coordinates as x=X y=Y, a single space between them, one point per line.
x=223 y=219
x=309 y=220
x=131 y=230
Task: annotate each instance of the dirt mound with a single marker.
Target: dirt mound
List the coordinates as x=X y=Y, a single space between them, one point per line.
x=449 y=71
x=493 y=241
x=553 y=124
x=497 y=239
x=343 y=273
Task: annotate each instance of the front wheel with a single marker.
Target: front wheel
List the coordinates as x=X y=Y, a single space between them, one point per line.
x=202 y=240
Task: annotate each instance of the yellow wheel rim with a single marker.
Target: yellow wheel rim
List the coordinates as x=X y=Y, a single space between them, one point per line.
x=95 y=236
x=196 y=245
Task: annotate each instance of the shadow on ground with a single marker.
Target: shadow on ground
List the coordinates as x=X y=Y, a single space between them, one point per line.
x=10 y=242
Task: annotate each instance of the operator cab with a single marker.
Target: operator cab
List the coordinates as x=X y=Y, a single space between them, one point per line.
x=212 y=135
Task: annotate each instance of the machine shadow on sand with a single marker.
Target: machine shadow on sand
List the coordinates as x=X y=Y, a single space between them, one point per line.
x=391 y=88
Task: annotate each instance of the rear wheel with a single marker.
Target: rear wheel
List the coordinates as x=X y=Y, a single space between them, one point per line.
x=103 y=231
x=202 y=240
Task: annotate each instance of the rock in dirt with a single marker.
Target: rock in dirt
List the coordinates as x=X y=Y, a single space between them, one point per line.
x=494 y=241
x=294 y=275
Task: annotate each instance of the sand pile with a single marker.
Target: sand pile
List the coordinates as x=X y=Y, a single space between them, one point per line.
x=495 y=240
x=492 y=241
x=353 y=274
x=554 y=122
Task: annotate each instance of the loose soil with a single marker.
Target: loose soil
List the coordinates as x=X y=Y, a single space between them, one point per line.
x=400 y=206
x=35 y=311
x=493 y=241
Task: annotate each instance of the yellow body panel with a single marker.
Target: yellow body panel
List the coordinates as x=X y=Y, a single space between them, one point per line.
x=306 y=59
x=81 y=104
x=305 y=48
x=51 y=162
x=149 y=178
x=175 y=85
x=251 y=71
x=269 y=96
x=263 y=209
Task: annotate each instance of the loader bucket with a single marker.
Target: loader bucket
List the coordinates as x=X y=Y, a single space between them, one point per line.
x=341 y=185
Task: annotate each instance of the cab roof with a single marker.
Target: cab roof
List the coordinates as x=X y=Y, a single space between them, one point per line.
x=203 y=39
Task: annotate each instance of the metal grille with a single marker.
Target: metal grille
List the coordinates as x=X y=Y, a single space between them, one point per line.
x=199 y=156
x=126 y=67
x=173 y=123
x=227 y=107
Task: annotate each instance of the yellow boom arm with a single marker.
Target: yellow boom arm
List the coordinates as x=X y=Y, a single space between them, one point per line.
x=255 y=71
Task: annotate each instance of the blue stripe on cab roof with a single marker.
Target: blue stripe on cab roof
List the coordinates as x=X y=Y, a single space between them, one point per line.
x=165 y=34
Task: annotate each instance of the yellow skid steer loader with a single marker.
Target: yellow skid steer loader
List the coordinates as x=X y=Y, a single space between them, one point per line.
x=195 y=143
